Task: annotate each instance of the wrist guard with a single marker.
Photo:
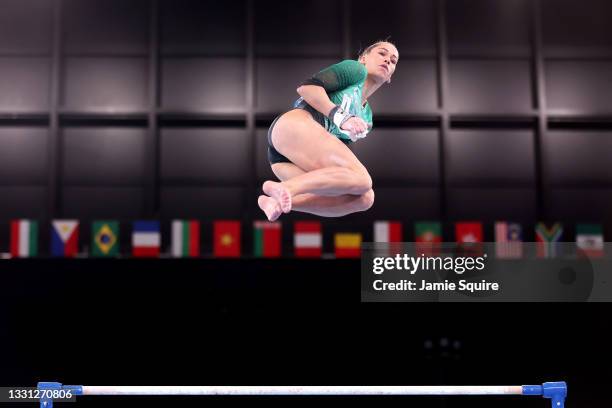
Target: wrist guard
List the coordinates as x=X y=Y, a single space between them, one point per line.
x=339 y=116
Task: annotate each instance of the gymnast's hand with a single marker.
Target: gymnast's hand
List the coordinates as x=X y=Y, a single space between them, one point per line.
x=356 y=127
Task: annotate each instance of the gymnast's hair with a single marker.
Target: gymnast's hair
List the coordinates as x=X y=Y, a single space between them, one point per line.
x=374 y=45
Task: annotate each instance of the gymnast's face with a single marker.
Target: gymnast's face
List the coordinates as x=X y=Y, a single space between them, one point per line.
x=381 y=61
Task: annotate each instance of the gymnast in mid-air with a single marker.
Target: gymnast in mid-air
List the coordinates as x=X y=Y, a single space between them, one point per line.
x=307 y=145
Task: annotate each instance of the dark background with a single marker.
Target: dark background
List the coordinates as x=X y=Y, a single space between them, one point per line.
x=159 y=109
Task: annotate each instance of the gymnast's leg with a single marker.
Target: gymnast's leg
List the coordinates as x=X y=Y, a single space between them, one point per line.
x=330 y=168
x=311 y=203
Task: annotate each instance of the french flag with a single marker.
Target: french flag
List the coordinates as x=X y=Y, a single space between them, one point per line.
x=145 y=239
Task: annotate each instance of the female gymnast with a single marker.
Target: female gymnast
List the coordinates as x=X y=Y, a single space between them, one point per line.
x=307 y=146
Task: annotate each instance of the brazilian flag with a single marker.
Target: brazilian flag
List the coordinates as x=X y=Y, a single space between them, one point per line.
x=105 y=238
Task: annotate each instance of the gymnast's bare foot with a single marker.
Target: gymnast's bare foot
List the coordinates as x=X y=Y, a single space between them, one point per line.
x=270 y=207
x=278 y=192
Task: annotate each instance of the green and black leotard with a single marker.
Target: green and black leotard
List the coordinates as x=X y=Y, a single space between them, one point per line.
x=343 y=83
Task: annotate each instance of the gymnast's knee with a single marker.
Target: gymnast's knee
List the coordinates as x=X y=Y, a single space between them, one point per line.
x=363 y=185
x=365 y=201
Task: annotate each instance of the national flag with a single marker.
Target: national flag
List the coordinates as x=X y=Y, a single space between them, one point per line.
x=105 y=238
x=590 y=240
x=146 y=239
x=64 y=238
x=226 y=238
x=468 y=236
x=24 y=238
x=347 y=245
x=547 y=239
x=387 y=231
x=267 y=239
x=427 y=237
x=307 y=239
x=508 y=240
x=185 y=238
x=468 y=232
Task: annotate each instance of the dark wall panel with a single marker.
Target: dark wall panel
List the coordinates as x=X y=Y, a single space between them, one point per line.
x=264 y=172
x=23 y=156
x=411 y=24
x=105 y=26
x=106 y=84
x=404 y=157
x=23 y=202
x=577 y=28
x=306 y=28
x=579 y=205
x=484 y=27
x=102 y=202
x=413 y=88
x=204 y=84
x=404 y=203
x=204 y=155
x=574 y=158
x=489 y=205
x=202 y=202
x=579 y=86
x=25 y=26
x=485 y=86
x=24 y=84
x=103 y=156
x=501 y=157
x=277 y=80
x=203 y=27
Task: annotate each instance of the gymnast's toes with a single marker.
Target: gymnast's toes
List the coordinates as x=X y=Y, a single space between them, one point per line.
x=270 y=207
x=280 y=193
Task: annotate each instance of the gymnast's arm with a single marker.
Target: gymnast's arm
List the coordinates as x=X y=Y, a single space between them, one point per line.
x=338 y=76
x=316 y=97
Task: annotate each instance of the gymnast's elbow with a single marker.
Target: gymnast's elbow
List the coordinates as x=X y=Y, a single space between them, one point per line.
x=303 y=90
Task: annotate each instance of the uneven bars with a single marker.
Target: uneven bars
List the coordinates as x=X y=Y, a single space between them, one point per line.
x=555 y=391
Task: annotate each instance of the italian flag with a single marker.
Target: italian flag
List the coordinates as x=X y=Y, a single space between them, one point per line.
x=185 y=238
x=307 y=239
x=589 y=239
x=267 y=239
x=348 y=245
x=24 y=238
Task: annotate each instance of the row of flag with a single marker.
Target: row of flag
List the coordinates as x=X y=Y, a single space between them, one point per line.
x=267 y=242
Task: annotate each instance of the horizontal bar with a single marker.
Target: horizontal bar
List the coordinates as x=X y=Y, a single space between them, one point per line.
x=302 y=390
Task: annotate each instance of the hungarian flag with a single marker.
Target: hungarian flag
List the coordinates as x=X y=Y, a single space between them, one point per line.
x=428 y=237
x=105 y=238
x=508 y=240
x=64 y=238
x=589 y=240
x=267 y=239
x=24 y=238
x=347 y=245
x=307 y=239
x=185 y=238
x=146 y=239
x=547 y=239
x=226 y=238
